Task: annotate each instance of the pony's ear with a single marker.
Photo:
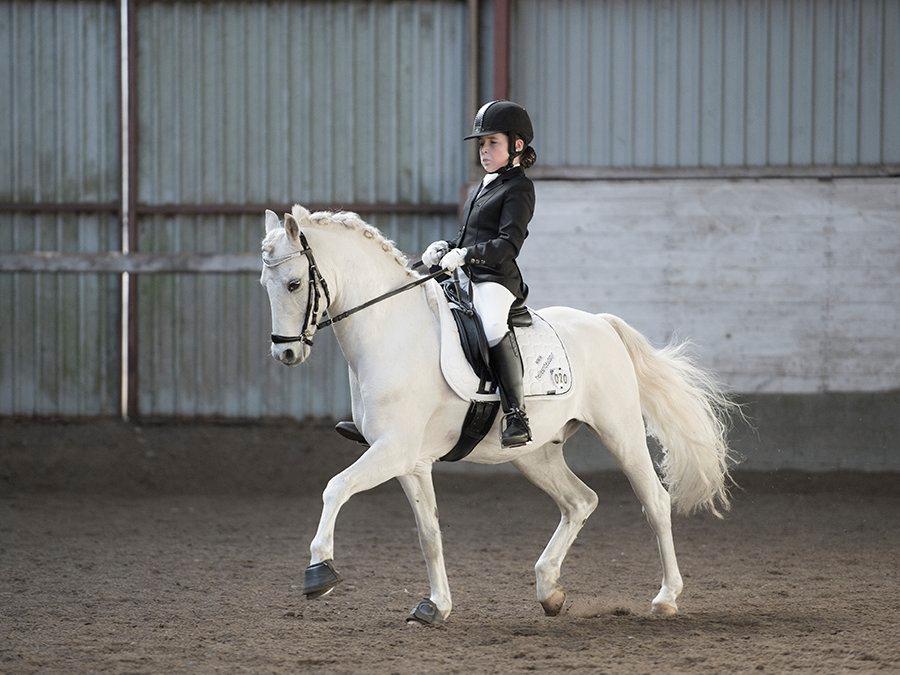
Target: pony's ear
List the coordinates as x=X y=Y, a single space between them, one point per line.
x=291 y=227
x=301 y=215
x=271 y=220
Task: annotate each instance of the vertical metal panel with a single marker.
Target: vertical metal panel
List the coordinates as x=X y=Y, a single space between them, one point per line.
x=711 y=84
x=824 y=82
x=690 y=72
x=58 y=107
x=58 y=343
x=312 y=101
x=486 y=56
x=689 y=83
x=205 y=346
x=281 y=102
x=890 y=75
x=801 y=94
x=734 y=93
x=59 y=339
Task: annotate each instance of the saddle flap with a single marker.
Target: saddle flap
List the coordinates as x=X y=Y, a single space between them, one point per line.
x=547 y=375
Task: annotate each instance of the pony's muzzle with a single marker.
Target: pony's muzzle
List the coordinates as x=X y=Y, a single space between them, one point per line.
x=290 y=354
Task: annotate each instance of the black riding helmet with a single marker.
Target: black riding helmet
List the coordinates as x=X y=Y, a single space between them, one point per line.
x=503 y=117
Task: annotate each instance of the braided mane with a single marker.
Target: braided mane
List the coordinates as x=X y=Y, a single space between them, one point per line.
x=348 y=220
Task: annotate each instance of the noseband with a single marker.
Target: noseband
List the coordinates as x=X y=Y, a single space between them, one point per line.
x=310 y=320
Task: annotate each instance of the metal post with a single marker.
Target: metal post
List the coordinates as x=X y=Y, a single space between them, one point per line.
x=501 y=49
x=128 y=189
x=473 y=63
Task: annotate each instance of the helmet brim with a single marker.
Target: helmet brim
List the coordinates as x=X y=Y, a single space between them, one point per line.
x=483 y=133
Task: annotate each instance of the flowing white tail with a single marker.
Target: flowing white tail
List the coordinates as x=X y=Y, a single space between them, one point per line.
x=686 y=410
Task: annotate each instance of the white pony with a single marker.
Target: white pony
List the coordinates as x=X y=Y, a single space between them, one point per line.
x=411 y=417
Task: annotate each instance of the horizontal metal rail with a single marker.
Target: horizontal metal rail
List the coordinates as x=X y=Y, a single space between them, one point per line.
x=259 y=209
x=226 y=209
x=713 y=172
x=59 y=207
x=114 y=262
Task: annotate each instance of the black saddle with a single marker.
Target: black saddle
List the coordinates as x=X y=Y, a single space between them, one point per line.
x=471 y=333
x=481 y=414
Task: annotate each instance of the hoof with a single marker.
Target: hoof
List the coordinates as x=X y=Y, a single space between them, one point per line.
x=425 y=613
x=320 y=579
x=664 y=608
x=349 y=431
x=554 y=604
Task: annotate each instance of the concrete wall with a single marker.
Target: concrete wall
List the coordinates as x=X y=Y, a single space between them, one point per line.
x=785 y=286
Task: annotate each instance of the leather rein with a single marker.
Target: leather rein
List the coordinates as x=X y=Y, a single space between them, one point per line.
x=314 y=296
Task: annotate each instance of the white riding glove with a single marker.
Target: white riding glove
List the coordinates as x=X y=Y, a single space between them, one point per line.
x=434 y=253
x=454 y=259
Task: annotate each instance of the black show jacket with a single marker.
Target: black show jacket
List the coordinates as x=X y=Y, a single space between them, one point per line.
x=494 y=226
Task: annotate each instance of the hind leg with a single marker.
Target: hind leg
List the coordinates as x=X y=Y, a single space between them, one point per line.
x=628 y=444
x=546 y=467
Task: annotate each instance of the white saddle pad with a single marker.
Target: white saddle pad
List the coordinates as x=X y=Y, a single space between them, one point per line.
x=548 y=373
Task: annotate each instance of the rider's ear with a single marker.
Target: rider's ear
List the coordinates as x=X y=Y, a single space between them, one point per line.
x=291 y=227
x=271 y=220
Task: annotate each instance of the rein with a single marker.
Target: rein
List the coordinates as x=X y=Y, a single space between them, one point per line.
x=311 y=318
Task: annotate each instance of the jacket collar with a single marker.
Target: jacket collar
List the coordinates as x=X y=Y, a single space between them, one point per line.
x=504 y=176
x=512 y=172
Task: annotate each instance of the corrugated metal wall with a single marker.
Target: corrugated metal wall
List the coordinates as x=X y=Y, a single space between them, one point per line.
x=694 y=83
x=273 y=103
x=316 y=101
x=365 y=102
x=59 y=342
x=59 y=107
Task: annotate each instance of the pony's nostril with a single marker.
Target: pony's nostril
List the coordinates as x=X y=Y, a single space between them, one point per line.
x=288 y=354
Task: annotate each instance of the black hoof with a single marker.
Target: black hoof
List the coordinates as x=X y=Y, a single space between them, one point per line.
x=320 y=579
x=348 y=430
x=426 y=613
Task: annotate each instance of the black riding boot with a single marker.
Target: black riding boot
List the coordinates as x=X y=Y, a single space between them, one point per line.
x=507 y=366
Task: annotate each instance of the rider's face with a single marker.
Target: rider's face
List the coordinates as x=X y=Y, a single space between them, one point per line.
x=493 y=151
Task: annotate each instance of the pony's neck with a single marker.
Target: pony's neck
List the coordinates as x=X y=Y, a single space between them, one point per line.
x=357 y=270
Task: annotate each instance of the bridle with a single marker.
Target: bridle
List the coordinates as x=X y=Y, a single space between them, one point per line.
x=314 y=296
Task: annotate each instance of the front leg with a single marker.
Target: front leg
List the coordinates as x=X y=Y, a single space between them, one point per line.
x=388 y=457
x=419 y=490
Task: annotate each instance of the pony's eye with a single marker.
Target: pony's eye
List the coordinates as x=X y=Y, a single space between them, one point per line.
x=293 y=285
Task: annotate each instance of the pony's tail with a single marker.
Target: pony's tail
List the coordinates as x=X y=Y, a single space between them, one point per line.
x=686 y=410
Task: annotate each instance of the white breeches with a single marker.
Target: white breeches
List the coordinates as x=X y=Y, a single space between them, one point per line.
x=492 y=302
